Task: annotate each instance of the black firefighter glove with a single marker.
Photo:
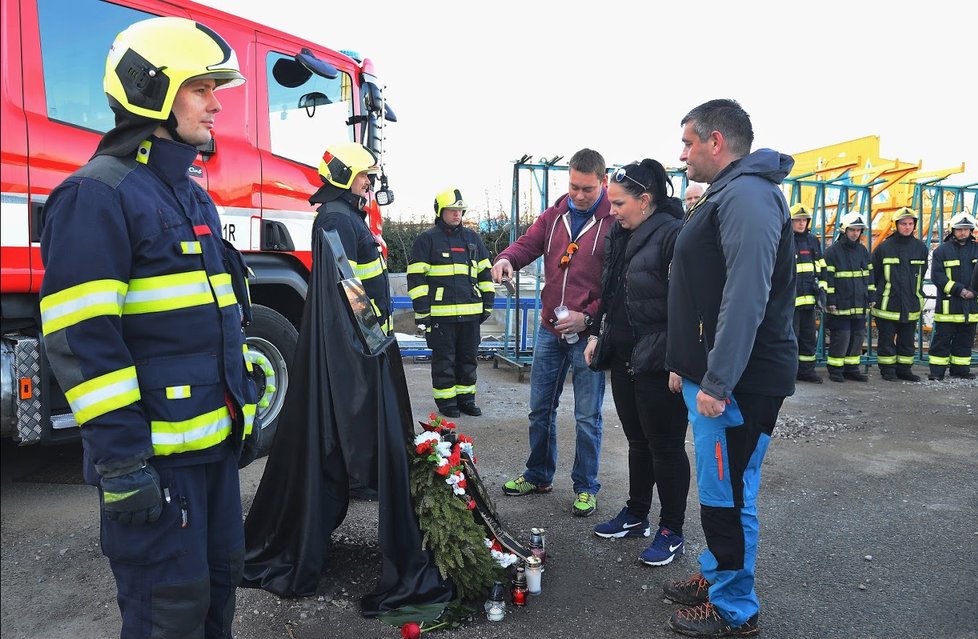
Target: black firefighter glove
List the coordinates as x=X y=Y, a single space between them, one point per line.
x=820 y=297
x=485 y=315
x=251 y=447
x=133 y=497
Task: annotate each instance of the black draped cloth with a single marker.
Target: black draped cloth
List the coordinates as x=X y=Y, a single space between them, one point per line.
x=347 y=418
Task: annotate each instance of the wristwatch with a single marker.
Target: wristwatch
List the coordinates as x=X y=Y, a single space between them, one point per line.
x=588 y=320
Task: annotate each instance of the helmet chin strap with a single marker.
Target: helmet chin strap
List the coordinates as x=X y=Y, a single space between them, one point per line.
x=171 y=127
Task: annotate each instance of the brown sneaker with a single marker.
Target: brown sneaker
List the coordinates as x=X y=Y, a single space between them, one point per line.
x=691 y=592
x=705 y=621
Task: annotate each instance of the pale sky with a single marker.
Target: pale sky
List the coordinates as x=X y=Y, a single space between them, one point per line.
x=476 y=85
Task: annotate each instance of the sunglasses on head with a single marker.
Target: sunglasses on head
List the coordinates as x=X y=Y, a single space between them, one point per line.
x=622 y=174
x=568 y=255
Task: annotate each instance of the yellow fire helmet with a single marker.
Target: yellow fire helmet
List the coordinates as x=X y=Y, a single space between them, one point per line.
x=799 y=210
x=904 y=214
x=151 y=59
x=852 y=220
x=449 y=199
x=962 y=220
x=344 y=161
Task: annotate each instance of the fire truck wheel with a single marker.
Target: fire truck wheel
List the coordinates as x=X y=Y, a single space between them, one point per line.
x=271 y=343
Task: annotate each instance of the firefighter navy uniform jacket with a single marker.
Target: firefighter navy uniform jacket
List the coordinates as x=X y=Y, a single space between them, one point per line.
x=808 y=267
x=847 y=278
x=142 y=307
x=951 y=270
x=898 y=270
x=361 y=250
x=449 y=275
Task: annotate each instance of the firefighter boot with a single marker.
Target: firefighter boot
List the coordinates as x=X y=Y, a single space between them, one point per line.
x=936 y=373
x=836 y=374
x=906 y=373
x=888 y=373
x=470 y=409
x=854 y=374
x=449 y=410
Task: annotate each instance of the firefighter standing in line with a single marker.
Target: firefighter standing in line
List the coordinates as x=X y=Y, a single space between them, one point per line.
x=348 y=170
x=142 y=307
x=899 y=263
x=808 y=266
x=449 y=281
x=848 y=283
x=956 y=313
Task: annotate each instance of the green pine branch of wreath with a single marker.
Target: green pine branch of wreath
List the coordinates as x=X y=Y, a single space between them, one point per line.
x=444 y=509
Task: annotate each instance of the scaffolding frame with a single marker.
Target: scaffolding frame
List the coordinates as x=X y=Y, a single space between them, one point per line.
x=836 y=194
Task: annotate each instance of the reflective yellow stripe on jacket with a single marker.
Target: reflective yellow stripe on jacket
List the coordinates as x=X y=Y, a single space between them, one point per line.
x=103 y=394
x=78 y=303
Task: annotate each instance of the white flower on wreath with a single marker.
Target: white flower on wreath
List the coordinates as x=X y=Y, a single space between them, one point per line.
x=453 y=481
x=426 y=436
x=466 y=448
x=443 y=449
x=504 y=559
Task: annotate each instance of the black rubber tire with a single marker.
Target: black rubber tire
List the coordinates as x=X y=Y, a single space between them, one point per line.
x=274 y=337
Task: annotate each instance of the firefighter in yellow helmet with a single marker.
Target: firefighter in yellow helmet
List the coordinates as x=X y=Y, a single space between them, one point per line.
x=808 y=292
x=142 y=309
x=348 y=171
x=847 y=280
x=450 y=283
x=899 y=263
x=956 y=313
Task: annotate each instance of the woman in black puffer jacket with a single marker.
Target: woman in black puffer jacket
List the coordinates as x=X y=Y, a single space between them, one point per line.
x=631 y=326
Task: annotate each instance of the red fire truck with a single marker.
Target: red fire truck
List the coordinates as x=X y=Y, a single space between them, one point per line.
x=260 y=170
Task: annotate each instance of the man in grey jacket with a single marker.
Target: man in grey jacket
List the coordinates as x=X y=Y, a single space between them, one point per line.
x=732 y=352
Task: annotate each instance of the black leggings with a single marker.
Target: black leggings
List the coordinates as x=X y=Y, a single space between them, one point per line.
x=654 y=421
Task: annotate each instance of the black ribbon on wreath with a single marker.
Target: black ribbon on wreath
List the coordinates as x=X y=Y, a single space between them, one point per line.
x=346 y=420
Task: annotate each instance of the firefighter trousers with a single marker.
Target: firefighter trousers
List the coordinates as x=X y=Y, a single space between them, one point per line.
x=454 y=359
x=176 y=577
x=804 y=325
x=846 y=337
x=951 y=345
x=894 y=350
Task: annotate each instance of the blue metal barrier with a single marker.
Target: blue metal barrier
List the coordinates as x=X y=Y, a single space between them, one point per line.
x=418 y=348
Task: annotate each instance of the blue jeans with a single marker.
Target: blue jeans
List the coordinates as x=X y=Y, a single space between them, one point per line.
x=552 y=358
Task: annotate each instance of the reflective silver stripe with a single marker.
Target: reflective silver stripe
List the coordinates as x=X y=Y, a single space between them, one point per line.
x=108 y=299
x=176 y=438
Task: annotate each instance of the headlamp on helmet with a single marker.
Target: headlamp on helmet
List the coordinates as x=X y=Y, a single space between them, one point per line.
x=151 y=59
x=449 y=199
x=342 y=162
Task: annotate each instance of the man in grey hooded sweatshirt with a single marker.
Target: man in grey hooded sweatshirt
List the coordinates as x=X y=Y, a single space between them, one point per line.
x=732 y=352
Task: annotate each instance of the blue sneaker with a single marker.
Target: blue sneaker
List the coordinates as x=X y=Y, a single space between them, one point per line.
x=666 y=546
x=625 y=524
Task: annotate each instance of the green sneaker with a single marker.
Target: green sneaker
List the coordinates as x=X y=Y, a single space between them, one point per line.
x=585 y=504
x=519 y=487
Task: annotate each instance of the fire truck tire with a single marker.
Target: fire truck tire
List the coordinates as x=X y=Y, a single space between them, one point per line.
x=272 y=338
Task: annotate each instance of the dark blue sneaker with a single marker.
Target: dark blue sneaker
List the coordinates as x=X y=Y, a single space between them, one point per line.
x=665 y=547
x=625 y=524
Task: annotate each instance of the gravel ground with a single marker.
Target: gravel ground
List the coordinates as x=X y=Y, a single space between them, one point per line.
x=868 y=514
